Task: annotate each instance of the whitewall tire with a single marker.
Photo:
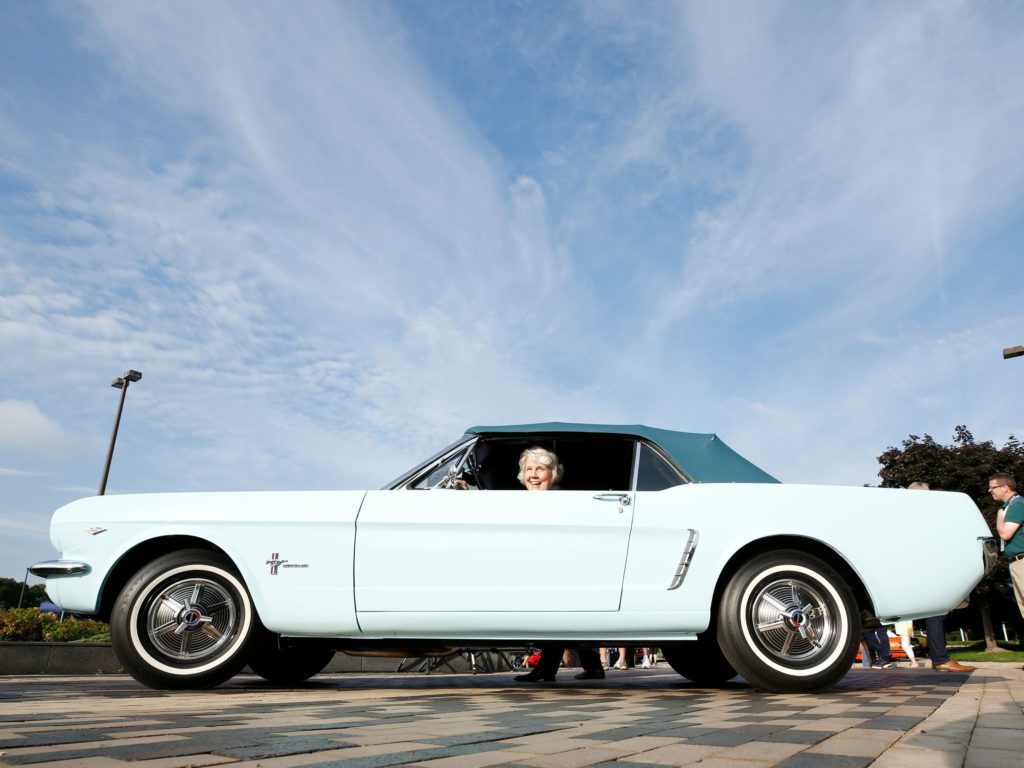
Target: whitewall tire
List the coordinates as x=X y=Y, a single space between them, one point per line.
x=185 y=620
x=788 y=622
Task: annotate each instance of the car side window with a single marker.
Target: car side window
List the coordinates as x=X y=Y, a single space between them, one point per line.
x=592 y=463
x=598 y=464
x=654 y=473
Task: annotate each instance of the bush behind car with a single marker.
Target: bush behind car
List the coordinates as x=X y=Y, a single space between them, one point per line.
x=33 y=625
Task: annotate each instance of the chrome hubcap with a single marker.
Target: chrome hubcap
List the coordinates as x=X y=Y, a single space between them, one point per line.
x=792 y=620
x=192 y=619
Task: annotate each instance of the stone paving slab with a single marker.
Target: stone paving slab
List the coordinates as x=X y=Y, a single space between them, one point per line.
x=899 y=717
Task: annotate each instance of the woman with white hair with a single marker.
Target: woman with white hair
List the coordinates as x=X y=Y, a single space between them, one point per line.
x=539 y=470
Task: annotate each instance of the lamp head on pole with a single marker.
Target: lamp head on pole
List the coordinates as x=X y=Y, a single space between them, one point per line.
x=1013 y=352
x=122 y=381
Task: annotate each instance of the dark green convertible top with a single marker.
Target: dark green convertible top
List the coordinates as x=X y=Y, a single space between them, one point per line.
x=703 y=457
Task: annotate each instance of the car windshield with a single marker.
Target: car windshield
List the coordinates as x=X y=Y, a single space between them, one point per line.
x=446 y=472
x=406 y=476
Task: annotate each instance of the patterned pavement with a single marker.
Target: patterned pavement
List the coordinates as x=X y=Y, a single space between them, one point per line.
x=899 y=717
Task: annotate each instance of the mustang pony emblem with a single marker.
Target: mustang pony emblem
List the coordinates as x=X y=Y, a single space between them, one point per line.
x=274 y=563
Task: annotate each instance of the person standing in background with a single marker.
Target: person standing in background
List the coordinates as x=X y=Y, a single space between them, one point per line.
x=877 y=641
x=1009 y=520
x=905 y=629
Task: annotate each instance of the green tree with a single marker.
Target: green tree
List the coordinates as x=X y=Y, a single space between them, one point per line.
x=965 y=466
x=11 y=591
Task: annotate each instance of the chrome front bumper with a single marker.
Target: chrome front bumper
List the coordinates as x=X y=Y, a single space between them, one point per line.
x=50 y=568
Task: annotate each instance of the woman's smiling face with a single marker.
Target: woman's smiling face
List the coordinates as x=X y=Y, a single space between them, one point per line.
x=537 y=476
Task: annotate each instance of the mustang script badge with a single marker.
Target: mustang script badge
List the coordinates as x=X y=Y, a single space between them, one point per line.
x=276 y=562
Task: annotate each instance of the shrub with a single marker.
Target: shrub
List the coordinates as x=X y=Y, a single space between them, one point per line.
x=71 y=630
x=32 y=625
x=102 y=637
x=26 y=624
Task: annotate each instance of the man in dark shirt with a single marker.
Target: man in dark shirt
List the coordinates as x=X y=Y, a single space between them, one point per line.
x=1009 y=520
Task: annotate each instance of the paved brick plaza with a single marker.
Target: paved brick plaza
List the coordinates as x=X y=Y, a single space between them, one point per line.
x=901 y=717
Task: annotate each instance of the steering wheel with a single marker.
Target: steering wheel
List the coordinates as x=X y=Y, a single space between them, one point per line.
x=461 y=474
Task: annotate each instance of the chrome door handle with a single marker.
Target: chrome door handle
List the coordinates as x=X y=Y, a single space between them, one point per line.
x=621 y=498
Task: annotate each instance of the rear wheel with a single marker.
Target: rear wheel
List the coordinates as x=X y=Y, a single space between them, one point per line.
x=787 y=622
x=701 y=661
x=183 y=621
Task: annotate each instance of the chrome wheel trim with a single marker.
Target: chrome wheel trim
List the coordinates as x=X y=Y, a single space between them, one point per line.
x=191 y=620
x=792 y=619
x=827 y=654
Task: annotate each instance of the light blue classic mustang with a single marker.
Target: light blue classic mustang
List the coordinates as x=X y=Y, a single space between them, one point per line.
x=656 y=538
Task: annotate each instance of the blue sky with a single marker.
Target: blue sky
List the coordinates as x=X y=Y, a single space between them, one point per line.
x=333 y=235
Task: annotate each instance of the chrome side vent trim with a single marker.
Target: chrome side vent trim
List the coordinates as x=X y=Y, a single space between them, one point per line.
x=684 y=561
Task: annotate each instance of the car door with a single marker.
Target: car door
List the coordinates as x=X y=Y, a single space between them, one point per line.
x=668 y=524
x=448 y=551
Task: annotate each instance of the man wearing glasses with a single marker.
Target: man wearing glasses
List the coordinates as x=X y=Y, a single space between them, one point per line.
x=1003 y=488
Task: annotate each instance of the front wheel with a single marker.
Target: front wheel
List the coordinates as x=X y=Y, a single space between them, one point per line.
x=290 y=664
x=183 y=621
x=788 y=622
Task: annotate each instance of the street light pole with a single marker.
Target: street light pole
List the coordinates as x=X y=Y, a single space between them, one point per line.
x=24 y=582
x=121 y=383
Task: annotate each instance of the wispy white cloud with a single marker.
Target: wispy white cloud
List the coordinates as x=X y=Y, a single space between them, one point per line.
x=28 y=431
x=860 y=167
x=350 y=244
x=8 y=472
x=77 y=491
x=832 y=167
x=13 y=525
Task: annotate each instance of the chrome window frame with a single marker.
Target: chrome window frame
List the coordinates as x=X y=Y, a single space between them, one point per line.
x=638 y=442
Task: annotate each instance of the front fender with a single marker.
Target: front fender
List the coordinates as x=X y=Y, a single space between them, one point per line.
x=311 y=534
